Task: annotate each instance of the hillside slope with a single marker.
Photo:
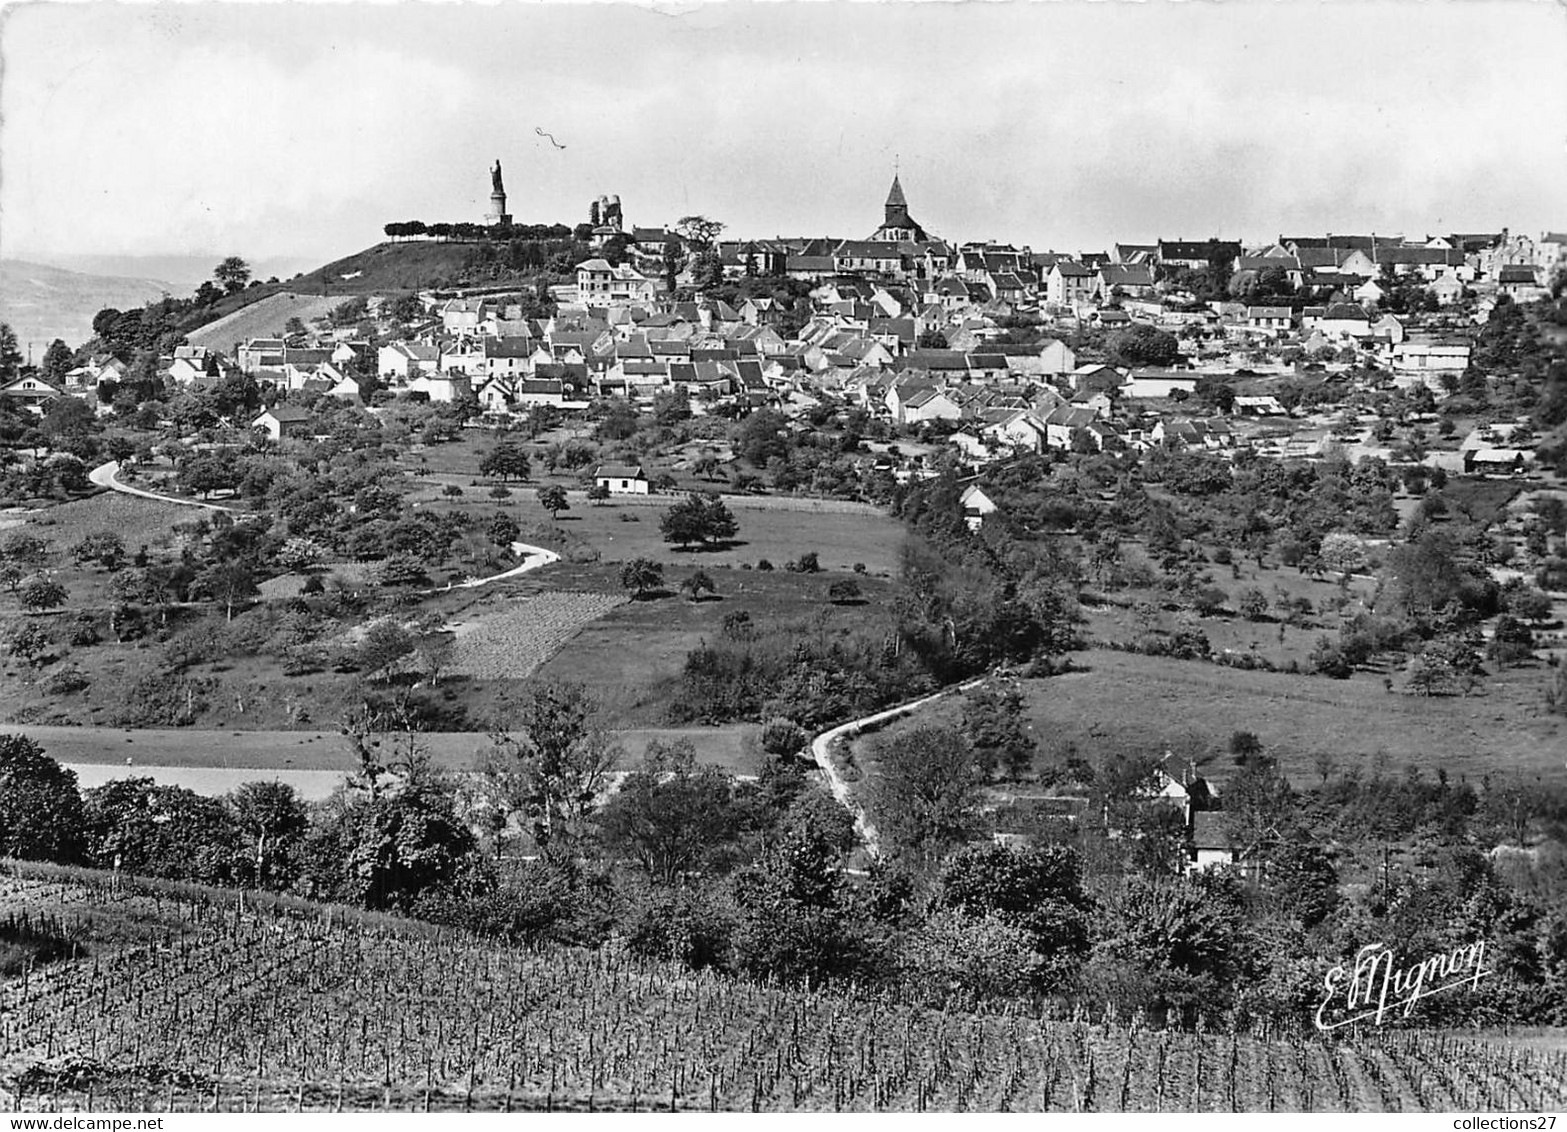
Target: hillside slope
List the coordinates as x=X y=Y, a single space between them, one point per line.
x=264 y=318
x=42 y=303
x=199 y=999
x=409 y=266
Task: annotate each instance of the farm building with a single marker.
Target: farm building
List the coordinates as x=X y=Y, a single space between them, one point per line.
x=621 y=479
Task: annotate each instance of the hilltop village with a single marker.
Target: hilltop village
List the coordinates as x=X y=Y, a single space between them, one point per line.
x=1136 y=629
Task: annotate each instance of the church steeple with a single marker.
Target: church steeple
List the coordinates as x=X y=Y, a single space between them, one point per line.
x=897 y=225
x=897 y=205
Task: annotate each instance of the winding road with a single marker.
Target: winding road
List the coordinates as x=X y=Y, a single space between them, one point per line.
x=821 y=746
x=534 y=557
x=107 y=475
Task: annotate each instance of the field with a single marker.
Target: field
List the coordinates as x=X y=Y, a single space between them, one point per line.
x=777 y=528
x=632 y=657
x=730 y=747
x=1126 y=702
x=512 y=643
x=191 y=1001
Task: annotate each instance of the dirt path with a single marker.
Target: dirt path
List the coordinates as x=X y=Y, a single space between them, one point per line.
x=820 y=747
x=105 y=475
x=536 y=557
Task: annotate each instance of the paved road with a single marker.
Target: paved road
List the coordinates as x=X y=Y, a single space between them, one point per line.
x=106 y=475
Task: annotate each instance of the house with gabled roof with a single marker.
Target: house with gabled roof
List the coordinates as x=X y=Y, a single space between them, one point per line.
x=1127 y=279
x=401 y=359
x=283 y=421
x=621 y=479
x=1521 y=282
x=1070 y=283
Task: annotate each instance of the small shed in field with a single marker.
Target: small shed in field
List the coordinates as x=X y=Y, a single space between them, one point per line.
x=621 y=479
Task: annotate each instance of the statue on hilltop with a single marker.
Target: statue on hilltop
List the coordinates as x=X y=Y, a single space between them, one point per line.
x=495 y=178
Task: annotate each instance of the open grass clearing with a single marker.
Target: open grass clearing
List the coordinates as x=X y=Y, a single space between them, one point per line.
x=633 y=656
x=1123 y=702
x=778 y=529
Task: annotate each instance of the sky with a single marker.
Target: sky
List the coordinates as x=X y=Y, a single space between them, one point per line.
x=299 y=129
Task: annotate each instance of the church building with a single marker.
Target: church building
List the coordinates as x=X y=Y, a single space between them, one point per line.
x=897 y=225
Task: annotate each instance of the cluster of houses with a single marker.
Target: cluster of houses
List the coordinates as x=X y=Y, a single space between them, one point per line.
x=914 y=330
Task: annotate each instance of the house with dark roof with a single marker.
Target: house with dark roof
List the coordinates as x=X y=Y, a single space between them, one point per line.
x=621 y=479
x=1128 y=279
x=283 y=421
x=1071 y=283
x=1198 y=254
x=1521 y=281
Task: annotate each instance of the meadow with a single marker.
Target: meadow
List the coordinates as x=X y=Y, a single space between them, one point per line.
x=194 y=1000
x=1124 y=702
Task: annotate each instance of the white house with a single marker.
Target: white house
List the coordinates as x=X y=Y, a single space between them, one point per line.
x=282 y=421
x=976 y=505
x=443 y=387
x=621 y=479
x=599 y=284
x=401 y=359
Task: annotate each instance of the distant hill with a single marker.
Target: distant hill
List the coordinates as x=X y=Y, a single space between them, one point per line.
x=264 y=318
x=184 y=272
x=42 y=303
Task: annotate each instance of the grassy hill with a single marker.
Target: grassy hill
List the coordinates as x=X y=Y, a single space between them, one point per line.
x=202 y=1000
x=408 y=266
x=264 y=318
x=42 y=303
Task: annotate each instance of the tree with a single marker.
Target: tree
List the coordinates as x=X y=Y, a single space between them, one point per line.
x=699 y=231
x=30 y=643
x=672 y=816
x=503 y=530
x=104 y=548
x=40 y=810
x=1038 y=891
x=993 y=721
x=598 y=493
x=552 y=765
x=227 y=583
x=385 y=643
x=553 y=499
x=390 y=850
x=56 y=362
x=843 y=591
x=40 y=593
x=10 y=575
x=233 y=273
x=1342 y=553
x=641 y=575
x=1142 y=345
x=10 y=353
x=931 y=339
x=699 y=519
x=928 y=789
x=161 y=831
x=793 y=922
x=1252 y=603
x=272 y=820
x=508 y=460
x=695 y=584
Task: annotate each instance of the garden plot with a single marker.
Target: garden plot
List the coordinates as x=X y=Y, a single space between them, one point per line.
x=510 y=644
